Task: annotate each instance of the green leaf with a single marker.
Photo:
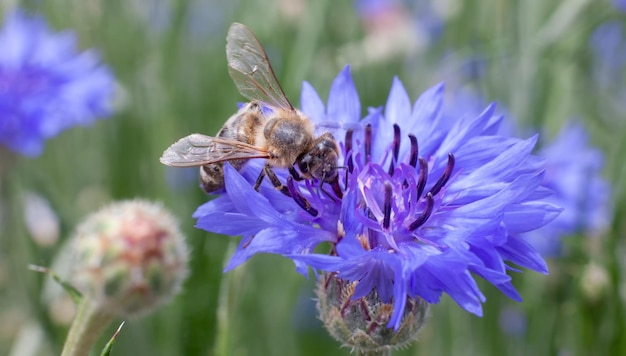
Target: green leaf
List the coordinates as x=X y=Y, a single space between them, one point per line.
x=70 y=289
x=109 y=346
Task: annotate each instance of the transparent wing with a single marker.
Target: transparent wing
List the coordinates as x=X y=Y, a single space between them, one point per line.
x=198 y=150
x=354 y=126
x=251 y=70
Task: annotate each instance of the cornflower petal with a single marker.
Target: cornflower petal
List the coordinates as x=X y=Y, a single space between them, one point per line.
x=344 y=105
x=312 y=104
x=398 y=106
x=425 y=119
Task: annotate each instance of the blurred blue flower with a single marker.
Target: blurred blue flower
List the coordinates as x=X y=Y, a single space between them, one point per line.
x=424 y=205
x=620 y=5
x=46 y=86
x=513 y=321
x=609 y=53
x=573 y=173
x=608 y=47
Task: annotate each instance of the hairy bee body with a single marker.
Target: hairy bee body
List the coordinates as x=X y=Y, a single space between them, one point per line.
x=286 y=137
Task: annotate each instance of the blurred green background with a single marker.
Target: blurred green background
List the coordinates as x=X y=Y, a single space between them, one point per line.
x=533 y=57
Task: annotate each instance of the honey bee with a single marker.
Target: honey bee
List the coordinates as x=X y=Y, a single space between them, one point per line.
x=285 y=137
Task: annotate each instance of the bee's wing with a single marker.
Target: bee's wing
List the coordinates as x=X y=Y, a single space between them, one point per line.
x=251 y=70
x=354 y=126
x=198 y=150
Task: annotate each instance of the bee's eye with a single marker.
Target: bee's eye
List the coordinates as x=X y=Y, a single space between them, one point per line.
x=304 y=165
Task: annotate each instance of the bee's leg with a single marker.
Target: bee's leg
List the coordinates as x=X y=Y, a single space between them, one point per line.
x=336 y=187
x=290 y=190
x=295 y=174
x=327 y=193
x=275 y=181
x=259 y=180
x=299 y=198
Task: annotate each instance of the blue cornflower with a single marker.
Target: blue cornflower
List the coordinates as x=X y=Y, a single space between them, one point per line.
x=46 y=85
x=620 y=5
x=573 y=173
x=425 y=204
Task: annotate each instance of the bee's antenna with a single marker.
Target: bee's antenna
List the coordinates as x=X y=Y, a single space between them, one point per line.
x=334 y=184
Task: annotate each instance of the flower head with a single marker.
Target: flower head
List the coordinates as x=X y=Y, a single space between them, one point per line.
x=424 y=204
x=130 y=257
x=46 y=85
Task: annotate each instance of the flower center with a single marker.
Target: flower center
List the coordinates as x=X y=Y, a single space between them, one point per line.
x=25 y=82
x=402 y=188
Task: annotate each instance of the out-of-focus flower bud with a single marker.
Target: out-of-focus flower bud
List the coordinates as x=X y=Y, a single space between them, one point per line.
x=41 y=220
x=594 y=282
x=130 y=257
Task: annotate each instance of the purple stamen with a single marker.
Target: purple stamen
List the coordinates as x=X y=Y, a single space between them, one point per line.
x=421 y=182
x=444 y=178
x=348 y=143
x=430 y=203
x=387 y=206
x=395 y=148
x=414 y=150
x=368 y=142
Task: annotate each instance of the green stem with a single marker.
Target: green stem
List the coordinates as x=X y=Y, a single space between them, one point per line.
x=228 y=284
x=87 y=326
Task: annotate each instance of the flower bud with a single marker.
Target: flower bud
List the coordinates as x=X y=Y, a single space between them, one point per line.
x=362 y=323
x=41 y=221
x=595 y=282
x=130 y=257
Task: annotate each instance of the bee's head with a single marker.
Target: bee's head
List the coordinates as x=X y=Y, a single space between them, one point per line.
x=320 y=162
